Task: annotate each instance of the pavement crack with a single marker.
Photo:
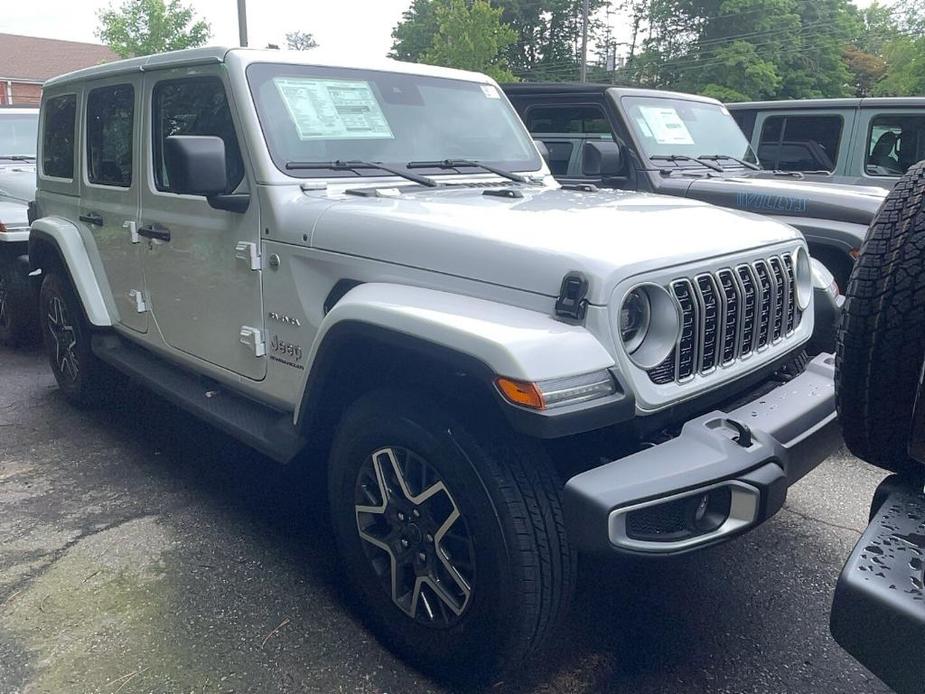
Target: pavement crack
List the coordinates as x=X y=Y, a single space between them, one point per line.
x=808 y=517
x=48 y=560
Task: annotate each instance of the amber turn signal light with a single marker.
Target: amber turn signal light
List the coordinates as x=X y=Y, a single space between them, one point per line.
x=521 y=393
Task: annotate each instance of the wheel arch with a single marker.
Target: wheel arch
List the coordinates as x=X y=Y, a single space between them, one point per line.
x=450 y=345
x=54 y=241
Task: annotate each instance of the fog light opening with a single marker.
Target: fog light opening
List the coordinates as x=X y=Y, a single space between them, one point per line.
x=708 y=511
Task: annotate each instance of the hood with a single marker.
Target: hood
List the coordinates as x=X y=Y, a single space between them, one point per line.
x=764 y=193
x=17 y=181
x=13 y=214
x=531 y=242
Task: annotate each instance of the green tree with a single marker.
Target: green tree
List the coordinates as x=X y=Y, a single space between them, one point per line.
x=414 y=34
x=471 y=37
x=143 y=27
x=300 y=41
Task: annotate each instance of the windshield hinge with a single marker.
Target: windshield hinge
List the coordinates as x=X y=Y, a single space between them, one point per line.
x=571 y=302
x=246 y=251
x=253 y=338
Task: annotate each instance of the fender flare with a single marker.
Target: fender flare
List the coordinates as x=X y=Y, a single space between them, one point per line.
x=480 y=337
x=63 y=238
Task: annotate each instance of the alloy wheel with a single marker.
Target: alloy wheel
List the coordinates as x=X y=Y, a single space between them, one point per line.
x=64 y=336
x=415 y=536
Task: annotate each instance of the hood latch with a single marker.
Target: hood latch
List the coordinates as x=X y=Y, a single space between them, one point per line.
x=571 y=302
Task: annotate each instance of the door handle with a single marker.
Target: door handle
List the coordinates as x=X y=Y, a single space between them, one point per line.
x=154 y=231
x=92 y=218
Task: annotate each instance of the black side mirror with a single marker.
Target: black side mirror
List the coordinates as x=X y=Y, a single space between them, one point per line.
x=544 y=150
x=601 y=159
x=195 y=164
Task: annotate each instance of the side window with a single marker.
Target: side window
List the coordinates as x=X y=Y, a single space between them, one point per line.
x=561 y=120
x=110 y=115
x=194 y=106
x=58 y=136
x=800 y=143
x=895 y=143
x=563 y=129
x=769 y=144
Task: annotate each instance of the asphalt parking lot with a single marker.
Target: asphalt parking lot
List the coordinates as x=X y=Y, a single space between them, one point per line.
x=142 y=551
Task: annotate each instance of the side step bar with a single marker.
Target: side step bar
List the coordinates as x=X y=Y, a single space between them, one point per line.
x=269 y=431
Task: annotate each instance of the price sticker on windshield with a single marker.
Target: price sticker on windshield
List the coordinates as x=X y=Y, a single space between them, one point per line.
x=333 y=109
x=666 y=125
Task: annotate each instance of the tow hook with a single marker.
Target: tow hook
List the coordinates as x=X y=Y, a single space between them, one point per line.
x=743 y=435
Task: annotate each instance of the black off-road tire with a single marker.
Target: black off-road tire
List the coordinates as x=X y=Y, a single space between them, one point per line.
x=18 y=305
x=509 y=497
x=881 y=340
x=83 y=379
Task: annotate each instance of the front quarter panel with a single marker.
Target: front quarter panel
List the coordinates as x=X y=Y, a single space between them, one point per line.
x=513 y=342
x=65 y=238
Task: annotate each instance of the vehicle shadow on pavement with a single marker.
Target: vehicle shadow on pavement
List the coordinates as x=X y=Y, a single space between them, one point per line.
x=751 y=614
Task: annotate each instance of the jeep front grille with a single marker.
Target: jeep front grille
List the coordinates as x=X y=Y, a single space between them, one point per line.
x=728 y=315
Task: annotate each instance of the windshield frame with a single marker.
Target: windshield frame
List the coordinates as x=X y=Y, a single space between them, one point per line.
x=693 y=164
x=534 y=164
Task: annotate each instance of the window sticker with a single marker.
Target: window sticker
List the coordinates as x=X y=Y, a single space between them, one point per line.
x=490 y=91
x=333 y=109
x=666 y=125
x=643 y=126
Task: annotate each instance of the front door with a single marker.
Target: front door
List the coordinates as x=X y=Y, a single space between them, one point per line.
x=109 y=199
x=205 y=295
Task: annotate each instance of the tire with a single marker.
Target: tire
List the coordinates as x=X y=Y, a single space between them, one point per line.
x=518 y=563
x=881 y=339
x=83 y=379
x=18 y=306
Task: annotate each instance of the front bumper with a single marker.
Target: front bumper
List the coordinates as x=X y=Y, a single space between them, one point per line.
x=743 y=461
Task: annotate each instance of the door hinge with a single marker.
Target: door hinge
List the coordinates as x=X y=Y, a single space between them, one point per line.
x=138 y=296
x=132 y=230
x=253 y=338
x=246 y=251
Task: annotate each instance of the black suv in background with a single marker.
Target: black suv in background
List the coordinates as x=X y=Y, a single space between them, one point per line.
x=687 y=146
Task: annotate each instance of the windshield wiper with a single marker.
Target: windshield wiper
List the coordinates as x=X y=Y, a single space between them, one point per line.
x=355 y=166
x=18 y=157
x=726 y=157
x=682 y=157
x=468 y=163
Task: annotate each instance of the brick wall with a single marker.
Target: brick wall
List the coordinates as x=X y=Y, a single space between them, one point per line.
x=23 y=93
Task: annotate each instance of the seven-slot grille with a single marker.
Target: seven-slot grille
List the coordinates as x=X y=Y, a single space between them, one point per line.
x=729 y=314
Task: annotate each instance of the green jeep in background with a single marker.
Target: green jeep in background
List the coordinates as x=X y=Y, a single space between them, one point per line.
x=870 y=142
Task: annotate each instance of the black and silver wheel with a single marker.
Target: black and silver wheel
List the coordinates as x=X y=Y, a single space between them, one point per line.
x=17 y=304
x=452 y=539
x=82 y=378
x=414 y=536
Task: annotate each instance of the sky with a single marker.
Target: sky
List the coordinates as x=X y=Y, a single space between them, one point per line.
x=365 y=26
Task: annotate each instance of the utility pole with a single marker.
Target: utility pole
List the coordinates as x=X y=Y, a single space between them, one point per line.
x=585 y=11
x=242 y=22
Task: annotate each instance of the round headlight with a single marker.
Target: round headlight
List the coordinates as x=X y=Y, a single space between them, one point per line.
x=649 y=325
x=635 y=316
x=803 y=276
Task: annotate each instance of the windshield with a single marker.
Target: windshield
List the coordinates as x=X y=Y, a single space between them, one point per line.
x=18 y=134
x=318 y=114
x=666 y=127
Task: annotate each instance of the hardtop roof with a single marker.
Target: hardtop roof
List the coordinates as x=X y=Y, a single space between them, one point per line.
x=524 y=88
x=795 y=104
x=219 y=54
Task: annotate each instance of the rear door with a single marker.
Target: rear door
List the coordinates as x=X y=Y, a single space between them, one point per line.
x=889 y=141
x=204 y=289
x=110 y=192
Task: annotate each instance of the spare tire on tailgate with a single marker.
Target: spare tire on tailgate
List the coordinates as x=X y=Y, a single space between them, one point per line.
x=881 y=340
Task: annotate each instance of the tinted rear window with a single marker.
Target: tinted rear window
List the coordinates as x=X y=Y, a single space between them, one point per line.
x=800 y=143
x=58 y=136
x=110 y=114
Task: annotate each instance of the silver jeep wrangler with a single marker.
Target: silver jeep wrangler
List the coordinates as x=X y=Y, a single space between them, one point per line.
x=375 y=260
